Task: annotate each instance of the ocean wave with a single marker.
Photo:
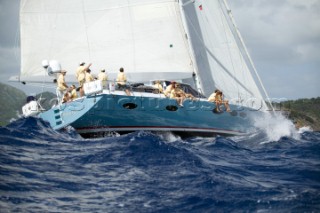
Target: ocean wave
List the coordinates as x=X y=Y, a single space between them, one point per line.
x=43 y=170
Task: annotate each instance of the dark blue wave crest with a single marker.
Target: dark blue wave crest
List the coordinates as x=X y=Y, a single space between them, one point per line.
x=43 y=170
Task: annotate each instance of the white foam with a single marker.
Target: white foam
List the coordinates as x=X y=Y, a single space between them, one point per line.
x=305 y=129
x=168 y=136
x=275 y=125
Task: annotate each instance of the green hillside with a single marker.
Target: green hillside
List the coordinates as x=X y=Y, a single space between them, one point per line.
x=12 y=100
x=304 y=112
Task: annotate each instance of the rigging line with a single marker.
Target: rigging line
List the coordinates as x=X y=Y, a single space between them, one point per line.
x=215 y=58
x=228 y=46
x=53 y=30
x=242 y=62
x=132 y=35
x=50 y=49
x=16 y=46
x=243 y=66
x=246 y=51
x=86 y=29
x=22 y=6
x=42 y=88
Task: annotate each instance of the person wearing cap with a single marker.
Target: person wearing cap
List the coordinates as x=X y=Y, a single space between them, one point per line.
x=81 y=75
x=62 y=86
x=102 y=76
x=122 y=81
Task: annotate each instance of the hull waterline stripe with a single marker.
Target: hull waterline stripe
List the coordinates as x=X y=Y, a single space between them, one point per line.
x=133 y=128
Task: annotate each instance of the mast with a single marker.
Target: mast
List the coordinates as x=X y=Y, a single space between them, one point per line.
x=184 y=21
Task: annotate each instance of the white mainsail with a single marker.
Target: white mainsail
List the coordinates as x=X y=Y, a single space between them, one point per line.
x=146 y=37
x=151 y=39
x=220 y=62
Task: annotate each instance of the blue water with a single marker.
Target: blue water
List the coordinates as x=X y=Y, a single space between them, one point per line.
x=42 y=170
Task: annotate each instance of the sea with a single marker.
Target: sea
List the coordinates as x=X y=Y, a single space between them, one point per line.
x=276 y=169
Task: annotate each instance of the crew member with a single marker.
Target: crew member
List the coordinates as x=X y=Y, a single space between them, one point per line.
x=81 y=75
x=62 y=86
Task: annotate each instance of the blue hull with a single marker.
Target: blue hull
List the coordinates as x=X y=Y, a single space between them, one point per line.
x=102 y=113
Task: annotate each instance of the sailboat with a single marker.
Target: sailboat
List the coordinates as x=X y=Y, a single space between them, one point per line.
x=193 y=42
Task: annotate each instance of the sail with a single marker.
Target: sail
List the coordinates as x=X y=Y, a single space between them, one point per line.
x=146 y=37
x=220 y=62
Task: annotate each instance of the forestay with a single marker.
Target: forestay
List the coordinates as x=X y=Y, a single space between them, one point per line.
x=146 y=37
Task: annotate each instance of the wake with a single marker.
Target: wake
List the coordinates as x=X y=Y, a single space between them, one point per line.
x=275 y=125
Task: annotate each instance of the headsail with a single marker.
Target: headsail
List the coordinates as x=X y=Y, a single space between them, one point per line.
x=221 y=63
x=143 y=36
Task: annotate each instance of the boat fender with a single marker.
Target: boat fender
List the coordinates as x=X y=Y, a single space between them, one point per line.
x=215 y=110
x=234 y=113
x=243 y=114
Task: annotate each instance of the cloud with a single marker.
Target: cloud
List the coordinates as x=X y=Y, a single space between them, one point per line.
x=9 y=39
x=283 y=38
x=10 y=62
x=291 y=26
x=9 y=22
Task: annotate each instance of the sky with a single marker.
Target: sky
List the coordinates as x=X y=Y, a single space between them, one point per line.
x=282 y=37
